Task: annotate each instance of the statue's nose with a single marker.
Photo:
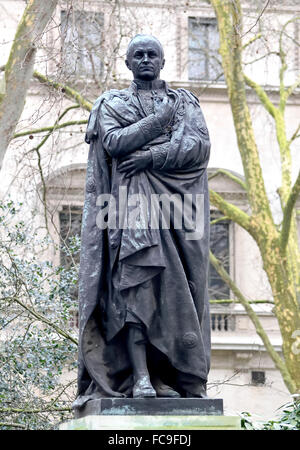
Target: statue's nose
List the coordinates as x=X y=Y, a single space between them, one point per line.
x=145 y=57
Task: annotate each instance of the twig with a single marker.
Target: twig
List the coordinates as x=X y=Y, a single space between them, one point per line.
x=287 y=215
x=279 y=362
x=230 y=176
x=258 y=18
x=219 y=219
x=33 y=411
x=231 y=211
x=221 y=301
x=45 y=320
x=12 y=425
x=66 y=90
x=295 y=135
x=258 y=36
x=52 y=128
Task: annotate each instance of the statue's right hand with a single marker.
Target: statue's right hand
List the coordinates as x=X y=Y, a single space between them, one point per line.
x=164 y=111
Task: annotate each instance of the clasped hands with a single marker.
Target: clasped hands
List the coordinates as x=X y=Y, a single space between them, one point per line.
x=142 y=159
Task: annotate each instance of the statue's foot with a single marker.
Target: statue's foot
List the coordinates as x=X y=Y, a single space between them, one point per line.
x=143 y=388
x=201 y=393
x=190 y=395
x=163 y=390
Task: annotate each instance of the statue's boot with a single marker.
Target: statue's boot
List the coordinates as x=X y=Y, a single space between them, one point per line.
x=163 y=390
x=137 y=352
x=191 y=386
x=143 y=388
x=200 y=392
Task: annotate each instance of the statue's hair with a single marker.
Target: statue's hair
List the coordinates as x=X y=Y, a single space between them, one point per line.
x=137 y=36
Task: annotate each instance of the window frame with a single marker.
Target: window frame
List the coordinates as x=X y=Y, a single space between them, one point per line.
x=214 y=211
x=207 y=78
x=81 y=74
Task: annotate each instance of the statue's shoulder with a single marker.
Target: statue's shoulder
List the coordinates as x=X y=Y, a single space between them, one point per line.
x=113 y=96
x=116 y=99
x=188 y=96
x=92 y=131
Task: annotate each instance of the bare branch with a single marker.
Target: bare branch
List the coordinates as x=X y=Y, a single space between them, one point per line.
x=13 y=425
x=230 y=176
x=278 y=361
x=287 y=215
x=255 y=302
x=257 y=36
x=290 y=89
x=219 y=219
x=262 y=95
x=231 y=211
x=285 y=92
x=259 y=58
x=258 y=18
x=45 y=320
x=52 y=128
x=295 y=135
x=19 y=67
x=37 y=150
x=66 y=90
x=33 y=411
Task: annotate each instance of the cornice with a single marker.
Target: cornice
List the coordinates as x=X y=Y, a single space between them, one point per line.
x=183 y=6
x=238 y=346
x=215 y=93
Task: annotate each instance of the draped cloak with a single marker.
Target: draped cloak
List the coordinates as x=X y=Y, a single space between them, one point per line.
x=159 y=274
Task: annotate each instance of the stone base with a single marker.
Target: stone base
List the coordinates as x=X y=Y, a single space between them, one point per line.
x=143 y=422
x=152 y=407
x=152 y=414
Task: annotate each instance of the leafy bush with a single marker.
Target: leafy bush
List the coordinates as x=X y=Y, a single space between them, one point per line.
x=38 y=343
x=288 y=420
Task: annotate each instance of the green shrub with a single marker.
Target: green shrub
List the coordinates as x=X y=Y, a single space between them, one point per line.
x=289 y=419
x=38 y=342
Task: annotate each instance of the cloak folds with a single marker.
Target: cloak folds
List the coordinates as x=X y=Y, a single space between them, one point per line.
x=157 y=274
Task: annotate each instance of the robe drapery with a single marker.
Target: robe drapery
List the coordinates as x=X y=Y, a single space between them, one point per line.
x=156 y=274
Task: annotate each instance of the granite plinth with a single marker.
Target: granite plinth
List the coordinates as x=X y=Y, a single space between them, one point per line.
x=151 y=407
x=143 y=422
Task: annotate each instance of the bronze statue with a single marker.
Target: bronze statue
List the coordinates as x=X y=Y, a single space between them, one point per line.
x=143 y=302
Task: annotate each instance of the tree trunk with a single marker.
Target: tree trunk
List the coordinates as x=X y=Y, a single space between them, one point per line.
x=19 y=67
x=279 y=265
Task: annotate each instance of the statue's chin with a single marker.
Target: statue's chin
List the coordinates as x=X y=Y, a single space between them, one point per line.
x=147 y=77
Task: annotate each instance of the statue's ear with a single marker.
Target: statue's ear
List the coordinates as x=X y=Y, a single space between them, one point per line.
x=163 y=64
x=127 y=64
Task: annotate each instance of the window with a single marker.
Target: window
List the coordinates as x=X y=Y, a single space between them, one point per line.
x=219 y=245
x=70 y=226
x=81 y=33
x=258 y=377
x=204 y=59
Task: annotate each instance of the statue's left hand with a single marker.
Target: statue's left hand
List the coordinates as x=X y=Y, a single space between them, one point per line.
x=135 y=162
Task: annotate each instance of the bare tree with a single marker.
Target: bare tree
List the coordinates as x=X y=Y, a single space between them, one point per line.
x=20 y=65
x=278 y=245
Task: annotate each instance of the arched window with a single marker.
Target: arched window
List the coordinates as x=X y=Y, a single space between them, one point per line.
x=223 y=246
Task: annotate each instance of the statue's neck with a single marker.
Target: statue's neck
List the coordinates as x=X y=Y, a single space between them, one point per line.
x=149 y=85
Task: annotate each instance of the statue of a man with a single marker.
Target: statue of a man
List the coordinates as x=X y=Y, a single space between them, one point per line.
x=143 y=302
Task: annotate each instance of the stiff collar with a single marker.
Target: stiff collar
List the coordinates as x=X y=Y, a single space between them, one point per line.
x=148 y=85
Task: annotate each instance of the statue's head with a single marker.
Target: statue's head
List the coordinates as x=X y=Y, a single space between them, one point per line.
x=145 y=57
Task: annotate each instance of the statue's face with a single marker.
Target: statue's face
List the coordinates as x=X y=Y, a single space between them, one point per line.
x=145 y=59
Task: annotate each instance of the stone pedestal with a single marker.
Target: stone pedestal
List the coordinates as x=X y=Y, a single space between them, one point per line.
x=152 y=414
x=117 y=422
x=152 y=407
